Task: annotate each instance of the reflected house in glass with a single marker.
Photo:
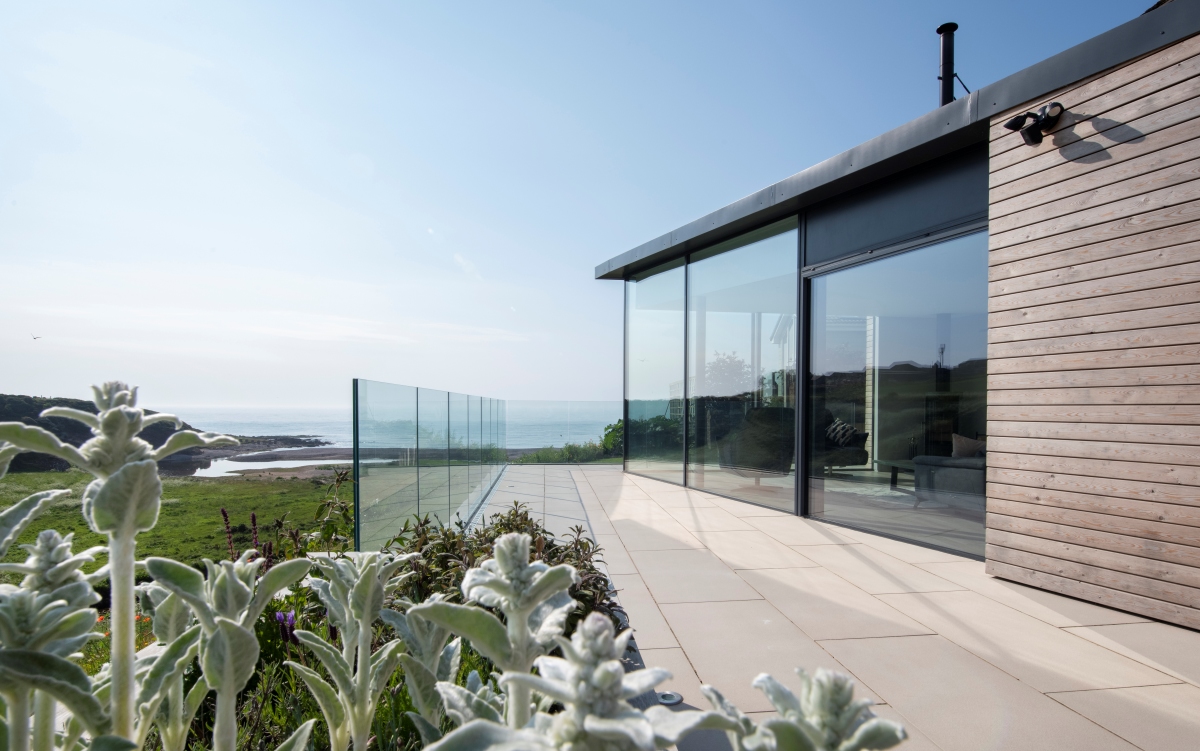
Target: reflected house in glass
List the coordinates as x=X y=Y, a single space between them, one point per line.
x=955 y=338
x=741 y=345
x=897 y=394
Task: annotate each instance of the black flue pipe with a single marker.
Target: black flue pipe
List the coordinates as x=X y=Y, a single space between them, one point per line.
x=946 y=78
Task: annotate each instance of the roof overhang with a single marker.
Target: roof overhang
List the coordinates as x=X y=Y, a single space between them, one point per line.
x=956 y=125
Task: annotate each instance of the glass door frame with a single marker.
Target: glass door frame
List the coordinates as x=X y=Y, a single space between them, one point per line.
x=804 y=378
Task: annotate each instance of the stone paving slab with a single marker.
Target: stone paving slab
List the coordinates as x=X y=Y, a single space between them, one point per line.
x=963 y=660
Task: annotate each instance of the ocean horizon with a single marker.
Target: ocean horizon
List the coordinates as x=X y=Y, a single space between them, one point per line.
x=530 y=424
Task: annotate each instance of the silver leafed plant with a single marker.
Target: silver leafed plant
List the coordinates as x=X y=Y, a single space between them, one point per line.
x=431 y=658
x=227 y=604
x=535 y=602
x=122 y=501
x=353 y=589
x=43 y=624
x=824 y=717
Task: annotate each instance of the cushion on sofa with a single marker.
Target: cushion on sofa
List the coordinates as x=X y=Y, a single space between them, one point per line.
x=963 y=446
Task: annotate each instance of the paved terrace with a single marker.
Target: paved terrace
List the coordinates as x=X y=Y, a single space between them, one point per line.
x=718 y=591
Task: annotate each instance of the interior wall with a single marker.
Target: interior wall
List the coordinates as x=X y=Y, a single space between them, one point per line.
x=1094 y=343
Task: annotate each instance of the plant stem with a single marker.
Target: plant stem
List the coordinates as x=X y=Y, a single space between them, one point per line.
x=225 y=727
x=518 y=704
x=18 y=720
x=175 y=733
x=360 y=725
x=124 y=633
x=44 y=708
x=518 y=693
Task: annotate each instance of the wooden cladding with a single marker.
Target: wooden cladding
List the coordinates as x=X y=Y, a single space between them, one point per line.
x=1094 y=342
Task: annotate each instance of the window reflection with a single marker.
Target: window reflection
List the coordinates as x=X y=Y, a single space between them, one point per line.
x=742 y=366
x=433 y=441
x=654 y=354
x=897 y=406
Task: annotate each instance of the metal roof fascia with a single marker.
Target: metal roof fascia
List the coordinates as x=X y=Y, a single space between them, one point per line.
x=1145 y=34
x=931 y=135
x=885 y=154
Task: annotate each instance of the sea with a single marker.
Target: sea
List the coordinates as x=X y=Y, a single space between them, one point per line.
x=332 y=424
x=529 y=425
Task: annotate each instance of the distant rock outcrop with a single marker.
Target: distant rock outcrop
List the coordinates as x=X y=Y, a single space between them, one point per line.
x=28 y=409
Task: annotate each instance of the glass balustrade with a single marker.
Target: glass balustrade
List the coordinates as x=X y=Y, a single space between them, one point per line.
x=421 y=451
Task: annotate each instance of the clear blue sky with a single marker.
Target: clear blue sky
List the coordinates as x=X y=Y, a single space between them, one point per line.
x=236 y=203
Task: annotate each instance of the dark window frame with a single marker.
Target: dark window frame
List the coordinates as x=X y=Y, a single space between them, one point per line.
x=971 y=227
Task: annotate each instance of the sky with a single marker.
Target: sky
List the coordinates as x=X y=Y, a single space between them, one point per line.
x=250 y=204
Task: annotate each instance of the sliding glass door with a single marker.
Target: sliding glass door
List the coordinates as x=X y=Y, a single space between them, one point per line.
x=897 y=395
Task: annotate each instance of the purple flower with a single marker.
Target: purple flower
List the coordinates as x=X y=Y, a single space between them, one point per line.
x=287 y=626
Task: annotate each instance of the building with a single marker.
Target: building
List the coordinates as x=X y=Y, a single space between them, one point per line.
x=957 y=334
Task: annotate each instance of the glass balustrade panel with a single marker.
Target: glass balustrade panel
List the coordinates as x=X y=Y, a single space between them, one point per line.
x=458 y=455
x=433 y=425
x=386 y=442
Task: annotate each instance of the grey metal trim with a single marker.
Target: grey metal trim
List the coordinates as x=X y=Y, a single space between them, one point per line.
x=969 y=227
x=909 y=540
x=934 y=134
x=705 y=490
x=659 y=479
x=1146 y=33
x=354 y=452
x=803 y=341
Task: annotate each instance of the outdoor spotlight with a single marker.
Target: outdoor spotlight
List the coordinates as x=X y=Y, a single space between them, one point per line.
x=1033 y=124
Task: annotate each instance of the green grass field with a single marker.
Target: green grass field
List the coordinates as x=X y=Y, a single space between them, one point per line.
x=189 y=525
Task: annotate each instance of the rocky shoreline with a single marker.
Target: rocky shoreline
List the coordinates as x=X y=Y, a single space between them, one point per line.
x=261 y=448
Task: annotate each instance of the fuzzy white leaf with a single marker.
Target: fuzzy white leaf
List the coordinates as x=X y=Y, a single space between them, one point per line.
x=422 y=689
x=87 y=418
x=463 y=705
x=640 y=681
x=670 y=726
x=185 y=582
x=127 y=502
x=33 y=438
x=298 y=741
x=875 y=733
x=186 y=439
x=62 y=679
x=480 y=734
x=17 y=517
x=484 y=630
x=280 y=577
x=631 y=725
x=327 y=698
x=228 y=656
x=333 y=661
x=780 y=696
x=8 y=452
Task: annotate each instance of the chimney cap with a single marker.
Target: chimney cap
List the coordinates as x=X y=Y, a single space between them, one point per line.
x=951 y=27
